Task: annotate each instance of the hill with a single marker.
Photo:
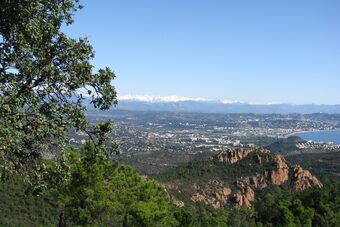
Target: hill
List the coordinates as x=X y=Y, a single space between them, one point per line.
x=233 y=177
x=323 y=164
x=285 y=145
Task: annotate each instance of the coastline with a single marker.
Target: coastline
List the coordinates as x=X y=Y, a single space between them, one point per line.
x=319 y=136
x=307 y=131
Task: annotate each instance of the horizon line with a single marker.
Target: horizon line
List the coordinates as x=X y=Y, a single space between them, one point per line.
x=176 y=98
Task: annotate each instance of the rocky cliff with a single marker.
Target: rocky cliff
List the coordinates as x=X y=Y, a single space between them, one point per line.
x=233 y=155
x=237 y=175
x=303 y=179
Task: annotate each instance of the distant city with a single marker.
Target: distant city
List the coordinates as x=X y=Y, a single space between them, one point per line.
x=153 y=140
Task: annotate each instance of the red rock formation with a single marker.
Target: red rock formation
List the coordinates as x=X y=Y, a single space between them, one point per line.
x=198 y=198
x=222 y=195
x=244 y=199
x=281 y=175
x=249 y=196
x=226 y=191
x=238 y=198
x=233 y=155
x=257 y=181
x=216 y=194
x=303 y=179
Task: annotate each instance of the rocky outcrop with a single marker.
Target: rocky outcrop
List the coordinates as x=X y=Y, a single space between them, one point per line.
x=215 y=199
x=207 y=201
x=198 y=198
x=222 y=195
x=244 y=199
x=233 y=155
x=303 y=179
x=280 y=175
x=249 y=195
x=215 y=183
x=238 y=199
x=226 y=191
x=258 y=181
x=268 y=169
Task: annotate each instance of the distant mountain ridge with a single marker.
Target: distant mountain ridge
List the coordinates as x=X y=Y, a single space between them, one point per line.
x=209 y=106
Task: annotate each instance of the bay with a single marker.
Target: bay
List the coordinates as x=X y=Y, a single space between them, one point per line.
x=320 y=136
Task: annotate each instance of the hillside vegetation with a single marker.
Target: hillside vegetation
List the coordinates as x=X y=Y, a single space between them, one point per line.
x=136 y=201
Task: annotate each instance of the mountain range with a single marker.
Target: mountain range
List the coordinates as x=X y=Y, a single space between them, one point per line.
x=182 y=104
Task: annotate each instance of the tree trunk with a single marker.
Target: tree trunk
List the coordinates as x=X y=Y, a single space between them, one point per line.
x=61 y=220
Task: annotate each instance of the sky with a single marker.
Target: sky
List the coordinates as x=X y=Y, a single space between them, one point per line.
x=263 y=51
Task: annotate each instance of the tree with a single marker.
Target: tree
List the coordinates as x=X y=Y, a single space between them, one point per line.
x=43 y=75
x=97 y=191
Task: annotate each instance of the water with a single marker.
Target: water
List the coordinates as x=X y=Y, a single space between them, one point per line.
x=318 y=136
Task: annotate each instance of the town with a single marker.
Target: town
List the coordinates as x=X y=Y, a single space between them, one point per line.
x=154 y=141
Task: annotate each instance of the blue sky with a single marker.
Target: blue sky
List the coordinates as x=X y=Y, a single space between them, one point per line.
x=252 y=51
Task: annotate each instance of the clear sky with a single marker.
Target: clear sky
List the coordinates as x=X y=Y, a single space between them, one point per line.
x=252 y=51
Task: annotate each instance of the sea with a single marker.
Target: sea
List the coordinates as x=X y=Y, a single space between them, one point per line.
x=320 y=136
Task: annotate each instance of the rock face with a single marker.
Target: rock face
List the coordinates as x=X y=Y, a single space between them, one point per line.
x=244 y=199
x=238 y=200
x=222 y=195
x=198 y=198
x=207 y=201
x=233 y=155
x=280 y=175
x=303 y=179
x=258 y=181
x=268 y=169
x=226 y=191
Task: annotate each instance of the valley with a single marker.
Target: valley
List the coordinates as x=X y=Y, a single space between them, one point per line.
x=153 y=142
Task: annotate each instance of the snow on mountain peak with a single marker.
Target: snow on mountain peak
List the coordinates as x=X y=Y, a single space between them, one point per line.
x=151 y=98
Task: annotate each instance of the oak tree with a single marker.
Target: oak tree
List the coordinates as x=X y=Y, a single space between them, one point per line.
x=43 y=77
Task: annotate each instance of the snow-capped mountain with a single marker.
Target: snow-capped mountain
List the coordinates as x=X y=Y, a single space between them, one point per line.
x=186 y=104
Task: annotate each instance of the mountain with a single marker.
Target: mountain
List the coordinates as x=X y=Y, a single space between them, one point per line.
x=233 y=178
x=208 y=106
x=285 y=145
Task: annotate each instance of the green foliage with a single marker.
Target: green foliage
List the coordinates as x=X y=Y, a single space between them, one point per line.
x=20 y=208
x=202 y=170
x=207 y=216
x=285 y=145
x=96 y=190
x=275 y=206
x=42 y=76
x=323 y=164
x=90 y=195
x=194 y=168
x=313 y=207
x=83 y=191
